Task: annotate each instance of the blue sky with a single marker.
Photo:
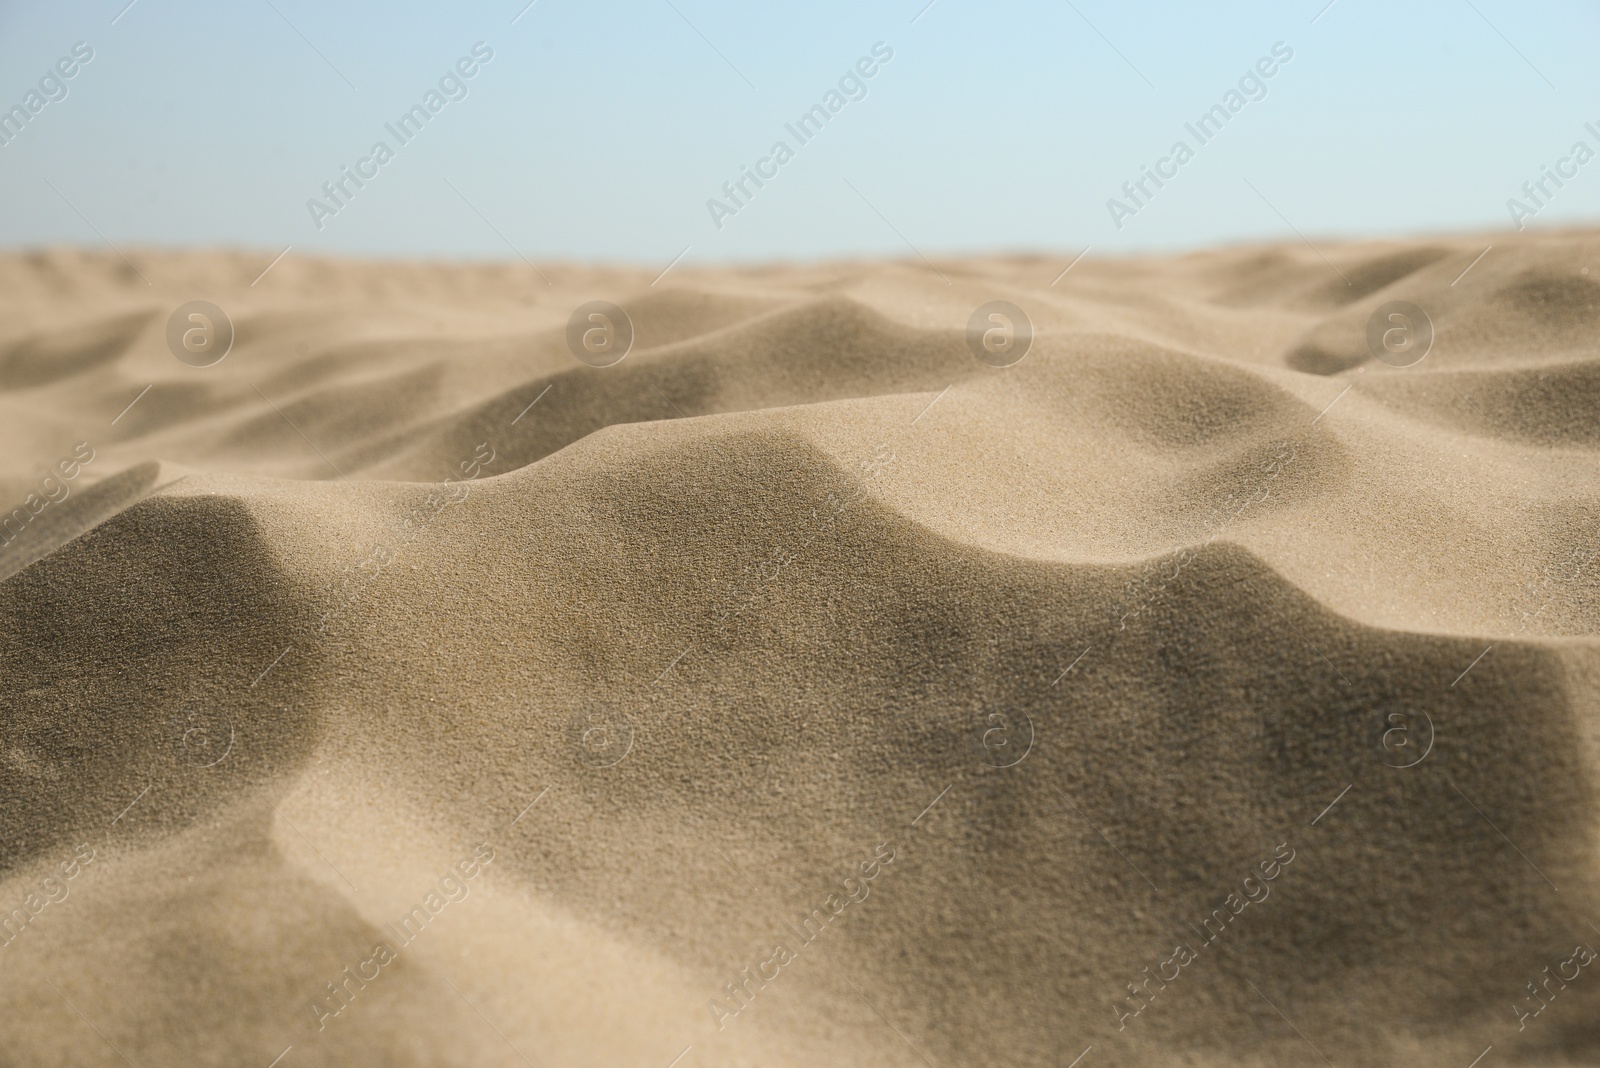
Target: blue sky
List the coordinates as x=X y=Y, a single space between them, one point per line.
x=599 y=130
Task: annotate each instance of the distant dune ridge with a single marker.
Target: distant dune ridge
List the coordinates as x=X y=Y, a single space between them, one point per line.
x=1202 y=689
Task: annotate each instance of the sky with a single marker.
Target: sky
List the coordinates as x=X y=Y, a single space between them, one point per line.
x=605 y=131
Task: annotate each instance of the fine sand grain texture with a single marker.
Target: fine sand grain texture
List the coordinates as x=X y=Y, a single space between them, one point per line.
x=801 y=690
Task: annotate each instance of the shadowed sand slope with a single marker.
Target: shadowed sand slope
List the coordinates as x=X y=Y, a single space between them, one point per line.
x=801 y=690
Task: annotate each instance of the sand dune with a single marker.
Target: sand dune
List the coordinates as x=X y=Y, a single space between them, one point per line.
x=801 y=690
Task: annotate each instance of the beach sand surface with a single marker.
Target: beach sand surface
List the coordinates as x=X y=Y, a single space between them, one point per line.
x=802 y=690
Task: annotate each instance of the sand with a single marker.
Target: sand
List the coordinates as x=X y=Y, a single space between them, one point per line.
x=802 y=690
